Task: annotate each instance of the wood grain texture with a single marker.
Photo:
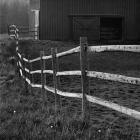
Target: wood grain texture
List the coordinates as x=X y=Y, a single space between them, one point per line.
x=130 y=48
x=114 y=77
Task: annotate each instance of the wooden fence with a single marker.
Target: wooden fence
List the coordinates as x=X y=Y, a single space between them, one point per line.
x=83 y=49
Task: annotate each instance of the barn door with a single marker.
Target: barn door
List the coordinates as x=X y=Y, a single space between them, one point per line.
x=86 y=26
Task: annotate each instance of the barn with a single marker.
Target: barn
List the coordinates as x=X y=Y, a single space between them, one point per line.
x=116 y=20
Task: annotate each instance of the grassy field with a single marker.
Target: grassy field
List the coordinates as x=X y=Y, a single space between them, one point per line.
x=29 y=116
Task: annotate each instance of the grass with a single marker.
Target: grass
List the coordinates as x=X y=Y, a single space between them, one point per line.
x=32 y=116
x=28 y=117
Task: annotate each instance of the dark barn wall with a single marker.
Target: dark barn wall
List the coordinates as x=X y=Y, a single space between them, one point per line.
x=138 y=18
x=55 y=21
x=13 y=12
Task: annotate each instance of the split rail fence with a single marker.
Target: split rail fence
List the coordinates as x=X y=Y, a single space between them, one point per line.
x=83 y=49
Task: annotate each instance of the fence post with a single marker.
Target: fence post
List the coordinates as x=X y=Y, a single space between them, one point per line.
x=58 y=80
x=42 y=73
x=24 y=73
x=30 y=75
x=55 y=79
x=17 y=58
x=84 y=78
x=17 y=67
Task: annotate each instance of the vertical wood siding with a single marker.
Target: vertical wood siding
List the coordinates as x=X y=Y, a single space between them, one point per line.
x=55 y=21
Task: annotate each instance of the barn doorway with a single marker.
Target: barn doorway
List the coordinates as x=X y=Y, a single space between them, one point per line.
x=111 y=28
x=97 y=28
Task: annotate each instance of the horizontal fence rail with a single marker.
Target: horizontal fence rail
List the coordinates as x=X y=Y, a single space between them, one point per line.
x=114 y=77
x=129 y=48
x=75 y=50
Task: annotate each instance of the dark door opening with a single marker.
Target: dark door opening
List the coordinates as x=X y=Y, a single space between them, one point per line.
x=111 y=28
x=97 y=27
x=85 y=26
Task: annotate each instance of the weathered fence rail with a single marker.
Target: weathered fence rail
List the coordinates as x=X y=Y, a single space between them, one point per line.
x=84 y=73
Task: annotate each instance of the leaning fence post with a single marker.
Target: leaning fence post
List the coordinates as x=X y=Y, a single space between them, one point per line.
x=42 y=73
x=84 y=78
x=55 y=80
x=24 y=73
